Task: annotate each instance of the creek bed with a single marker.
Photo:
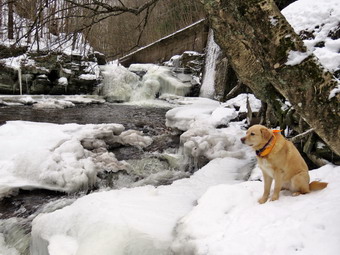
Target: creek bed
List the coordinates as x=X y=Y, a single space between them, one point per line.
x=149 y=120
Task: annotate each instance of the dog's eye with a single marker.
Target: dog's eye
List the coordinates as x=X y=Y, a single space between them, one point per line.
x=252 y=134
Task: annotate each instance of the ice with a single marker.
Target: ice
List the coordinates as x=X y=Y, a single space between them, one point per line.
x=123 y=85
x=4 y=249
x=50 y=103
x=212 y=53
x=158 y=80
x=59 y=157
x=119 y=83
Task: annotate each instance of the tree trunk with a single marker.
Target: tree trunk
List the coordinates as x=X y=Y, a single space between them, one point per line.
x=257 y=39
x=10 y=25
x=0 y=14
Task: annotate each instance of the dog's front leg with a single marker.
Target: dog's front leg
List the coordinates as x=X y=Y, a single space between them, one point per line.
x=278 y=184
x=267 y=184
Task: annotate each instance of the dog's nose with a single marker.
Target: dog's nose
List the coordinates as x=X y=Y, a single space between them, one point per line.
x=243 y=139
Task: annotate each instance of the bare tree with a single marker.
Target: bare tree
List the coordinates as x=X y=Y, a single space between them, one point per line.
x=10 y=25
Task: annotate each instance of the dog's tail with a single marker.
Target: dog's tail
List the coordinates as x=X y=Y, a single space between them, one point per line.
x=316 y=185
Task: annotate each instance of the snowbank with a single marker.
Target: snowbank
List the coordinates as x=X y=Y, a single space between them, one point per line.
x=128 y=221
x=228 y=220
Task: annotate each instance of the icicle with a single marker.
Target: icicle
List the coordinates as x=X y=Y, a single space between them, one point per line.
x=20 y=80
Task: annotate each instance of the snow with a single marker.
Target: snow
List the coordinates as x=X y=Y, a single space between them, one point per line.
x=319 y=18
x=228 y=220
x=48 y=101
x=214 y=211
x=240 y=102
x=88 y=77
x=131 y=217
x=63 y=81
x=296 y=57
x=334 y=92
x=59 y=157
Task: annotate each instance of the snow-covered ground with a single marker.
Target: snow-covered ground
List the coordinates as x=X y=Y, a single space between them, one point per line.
x=215 y=211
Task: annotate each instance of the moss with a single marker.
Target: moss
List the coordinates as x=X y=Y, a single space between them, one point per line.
x=285 y=45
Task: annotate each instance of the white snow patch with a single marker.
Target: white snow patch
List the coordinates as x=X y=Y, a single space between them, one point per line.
x=240 y=102
x=87 y=77
x=296 y=57
x=63 y=81
x=334 y=92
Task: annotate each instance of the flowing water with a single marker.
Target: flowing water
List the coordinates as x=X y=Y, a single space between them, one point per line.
x=17 y=212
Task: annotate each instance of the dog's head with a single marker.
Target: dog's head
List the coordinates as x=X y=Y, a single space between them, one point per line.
x=257 y=136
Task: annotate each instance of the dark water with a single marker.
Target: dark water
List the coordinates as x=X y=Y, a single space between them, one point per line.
x=130 y=116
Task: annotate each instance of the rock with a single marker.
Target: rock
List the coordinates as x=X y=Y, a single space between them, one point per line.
x=98 y=57
x=6 y=52
x=41 y=85
x=41 y=73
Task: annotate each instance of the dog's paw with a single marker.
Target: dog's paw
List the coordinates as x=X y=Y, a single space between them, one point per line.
x=262 y=200
x=274 y=198
x=295 y=194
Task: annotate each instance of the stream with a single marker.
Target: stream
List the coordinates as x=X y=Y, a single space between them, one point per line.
x=18 y=211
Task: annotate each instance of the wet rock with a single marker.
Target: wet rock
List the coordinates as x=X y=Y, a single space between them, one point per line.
x=98 y=57
x=41 y=73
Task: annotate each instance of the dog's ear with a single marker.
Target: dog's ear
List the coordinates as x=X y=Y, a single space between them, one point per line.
x=265 y=133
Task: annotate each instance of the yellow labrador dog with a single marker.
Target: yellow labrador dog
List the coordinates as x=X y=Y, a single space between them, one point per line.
x=279 y=160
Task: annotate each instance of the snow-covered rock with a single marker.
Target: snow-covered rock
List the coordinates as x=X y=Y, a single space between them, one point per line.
x=317 y=23
x=59 y=157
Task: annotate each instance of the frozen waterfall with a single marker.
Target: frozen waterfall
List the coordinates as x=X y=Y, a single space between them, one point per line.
x=122 y=85
x=212 y=53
